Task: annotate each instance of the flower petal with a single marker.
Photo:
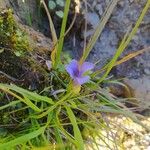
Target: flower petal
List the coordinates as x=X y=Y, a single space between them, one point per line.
x=82 y=80
x=86 y=66
x=72 y=68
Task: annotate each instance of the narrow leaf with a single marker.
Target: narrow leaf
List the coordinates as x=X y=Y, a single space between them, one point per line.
x=22 y=139
x=99 y=29
x=77 y=132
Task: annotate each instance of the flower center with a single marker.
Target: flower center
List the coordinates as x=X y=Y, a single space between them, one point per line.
x=76 y=73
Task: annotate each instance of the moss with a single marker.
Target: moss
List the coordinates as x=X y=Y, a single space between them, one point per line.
x=10 y=35
x=13 y=43
x=15 y=58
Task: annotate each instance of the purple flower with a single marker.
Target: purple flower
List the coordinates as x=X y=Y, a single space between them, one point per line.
x=77 y=71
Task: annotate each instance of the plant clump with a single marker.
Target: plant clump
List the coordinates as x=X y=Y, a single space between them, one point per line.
x=73 y=107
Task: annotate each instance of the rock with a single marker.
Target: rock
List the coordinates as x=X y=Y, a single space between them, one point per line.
x=141 y=88
x=124 y=15
x=147 y=71
x=3 y=4
x=99 y=8
x=131 y=1
x=26 y=11
x=92 y=22
x=105 y=47
x=92 y=19
x=38 y=41
x=124 y=135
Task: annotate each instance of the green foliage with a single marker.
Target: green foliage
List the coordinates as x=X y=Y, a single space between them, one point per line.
x=62 y=116
x=58 y=44
x=62 y=33
x=22 y=139
x=77 y=133
x=62 y=119
x=126 y=40
x=11 y=36
x=60 y=13
x=99 y=29
x=51 y=4
x=58 y=3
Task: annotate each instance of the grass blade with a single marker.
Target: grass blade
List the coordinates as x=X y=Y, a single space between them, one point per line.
x=51 y=25
x=125 y=44
x=77 y=132
x=24 y=99
x=22 y=139
x=99 y=29
x=9 y=105
x=30 y=95
x=62 y=33
x=53 y=32
x=60 y=102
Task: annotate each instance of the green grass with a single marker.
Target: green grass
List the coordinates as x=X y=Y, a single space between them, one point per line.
x=58 y=122
x=125 y=42
x=99 y=29
x=62 y=33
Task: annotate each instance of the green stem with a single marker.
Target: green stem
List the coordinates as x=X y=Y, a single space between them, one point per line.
x=125 y=44
x=63 y=28
x=98 y=30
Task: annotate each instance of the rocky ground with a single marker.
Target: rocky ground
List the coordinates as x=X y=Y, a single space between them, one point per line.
x=127 y=134
x=137 y=70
